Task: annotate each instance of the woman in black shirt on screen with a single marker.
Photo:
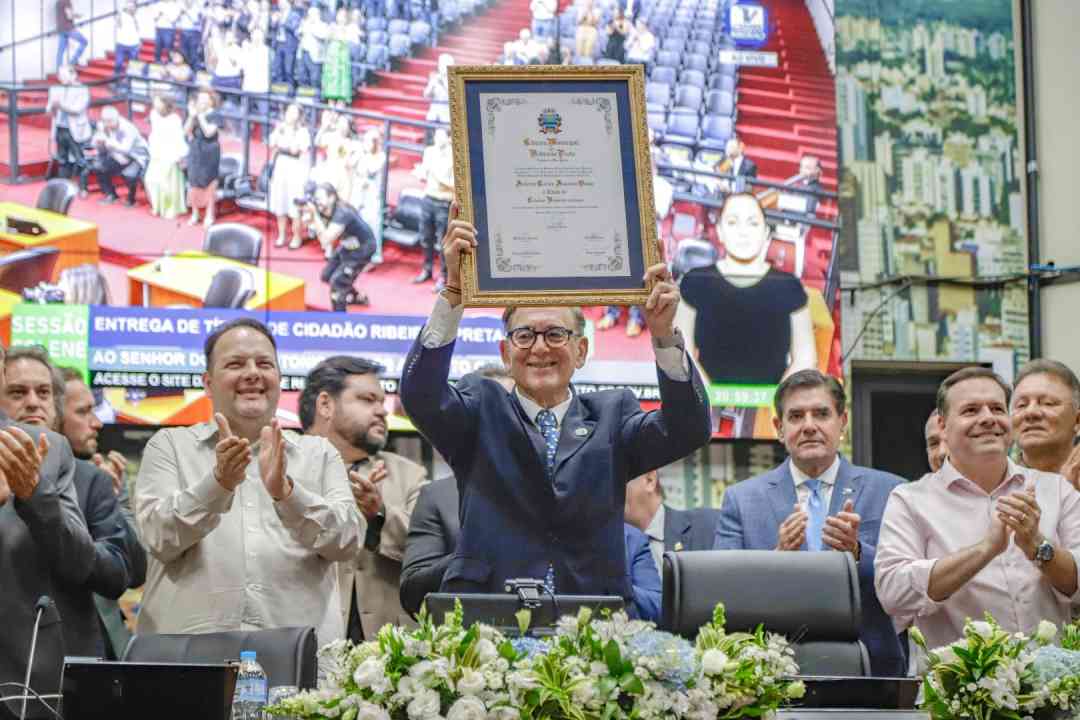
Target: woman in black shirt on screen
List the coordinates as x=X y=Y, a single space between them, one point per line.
x=746 y=322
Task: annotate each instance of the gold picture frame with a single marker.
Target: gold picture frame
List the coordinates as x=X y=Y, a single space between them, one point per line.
x=627 y=82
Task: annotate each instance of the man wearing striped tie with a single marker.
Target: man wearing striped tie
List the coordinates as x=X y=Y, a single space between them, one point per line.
x=816 y=500
x=543 y=469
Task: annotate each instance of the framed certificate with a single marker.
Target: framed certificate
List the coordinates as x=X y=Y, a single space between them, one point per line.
x=552 y=166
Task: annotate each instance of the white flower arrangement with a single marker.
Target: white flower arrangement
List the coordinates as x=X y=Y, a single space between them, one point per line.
x=992 y=674
x=610 y=668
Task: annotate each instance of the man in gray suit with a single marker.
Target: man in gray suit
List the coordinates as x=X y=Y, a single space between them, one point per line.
x=44 y=550
x=817 y=500
x=34 y=394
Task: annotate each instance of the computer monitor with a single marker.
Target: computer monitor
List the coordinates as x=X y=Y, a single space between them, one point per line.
x=104 y=690
x=27 y=268
x=499 y=610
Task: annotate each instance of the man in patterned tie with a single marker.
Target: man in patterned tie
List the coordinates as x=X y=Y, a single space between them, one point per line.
x=817 y=500
x=542 y=469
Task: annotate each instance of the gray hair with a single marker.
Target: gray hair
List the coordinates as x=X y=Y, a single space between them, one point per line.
x=1059 y=370
x=576 y=311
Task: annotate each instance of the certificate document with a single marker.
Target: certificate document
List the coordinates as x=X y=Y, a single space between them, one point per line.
x=555 y=199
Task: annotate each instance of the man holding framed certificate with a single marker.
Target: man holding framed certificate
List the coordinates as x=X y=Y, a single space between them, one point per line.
x=542 y=469
x=553 y=173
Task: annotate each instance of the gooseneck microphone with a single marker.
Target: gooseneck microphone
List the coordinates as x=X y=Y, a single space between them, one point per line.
x=40 y=607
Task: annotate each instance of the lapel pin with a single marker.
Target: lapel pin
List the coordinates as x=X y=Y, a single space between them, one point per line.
x=678 y=547
x=847 y=491
x=581 y=432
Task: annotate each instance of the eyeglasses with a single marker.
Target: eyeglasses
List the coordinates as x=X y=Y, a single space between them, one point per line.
x=524 y=338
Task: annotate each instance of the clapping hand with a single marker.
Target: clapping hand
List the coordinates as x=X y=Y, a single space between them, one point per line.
x=1071 y=469
x=20 y=460
x=233 y=455
x=841 y=531
x=366 y=491
x=115 y=466
x=793 y=530
x=272 y=461
x=1020 y=513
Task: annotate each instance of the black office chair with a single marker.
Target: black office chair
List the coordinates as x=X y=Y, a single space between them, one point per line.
x=230 y=288
x=403 y=227
x=57 y=196
x=235 y=241
x=228 y=176
x=253 y=194
x=286 y=654
x=811 y=598
x=692 y=254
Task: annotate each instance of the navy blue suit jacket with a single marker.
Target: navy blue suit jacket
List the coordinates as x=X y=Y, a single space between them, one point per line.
x=514 y=521
x=643 y=576
x=693 y=529
x=754 y=509
x=434 y=529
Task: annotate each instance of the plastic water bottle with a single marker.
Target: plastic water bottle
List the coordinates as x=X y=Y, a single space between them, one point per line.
x=250 y=696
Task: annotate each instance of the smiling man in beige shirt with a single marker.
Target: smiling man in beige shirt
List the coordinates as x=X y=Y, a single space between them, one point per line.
x=244 y=523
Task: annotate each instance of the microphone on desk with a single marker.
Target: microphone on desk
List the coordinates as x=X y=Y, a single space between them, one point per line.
x=43 y=603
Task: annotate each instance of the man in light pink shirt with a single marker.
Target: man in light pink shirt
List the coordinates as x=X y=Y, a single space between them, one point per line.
x=982 y=534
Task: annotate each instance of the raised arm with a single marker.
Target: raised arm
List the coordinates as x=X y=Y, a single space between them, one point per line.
x=444 y=414
x=683 y=423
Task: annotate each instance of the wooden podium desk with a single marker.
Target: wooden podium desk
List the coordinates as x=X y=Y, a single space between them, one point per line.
x=77 y=240
x=184 y=278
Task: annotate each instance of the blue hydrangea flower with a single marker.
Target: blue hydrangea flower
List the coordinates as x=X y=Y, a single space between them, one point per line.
x=670 y=658
x=1052 y=662
x=530 y=646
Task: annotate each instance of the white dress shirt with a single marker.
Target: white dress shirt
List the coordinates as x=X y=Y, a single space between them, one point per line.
x=127 y=30
x=255 y=65
x=223 y=560
x=543 y=9
x=313 y=34
x=533 y=408
x=168 y=11
x=655 y=531
x=827 y=478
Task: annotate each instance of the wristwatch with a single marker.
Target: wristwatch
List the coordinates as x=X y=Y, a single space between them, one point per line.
x=1044 y=553
x=373 y=536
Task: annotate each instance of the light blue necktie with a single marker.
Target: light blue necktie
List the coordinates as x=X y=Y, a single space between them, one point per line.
x=549 y=429
x=816 y=512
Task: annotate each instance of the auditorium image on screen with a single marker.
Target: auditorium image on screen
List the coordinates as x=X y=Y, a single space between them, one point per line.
x=209 y=225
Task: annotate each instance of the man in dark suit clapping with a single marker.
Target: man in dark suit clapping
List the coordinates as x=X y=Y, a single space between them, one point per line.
x=543 y=470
